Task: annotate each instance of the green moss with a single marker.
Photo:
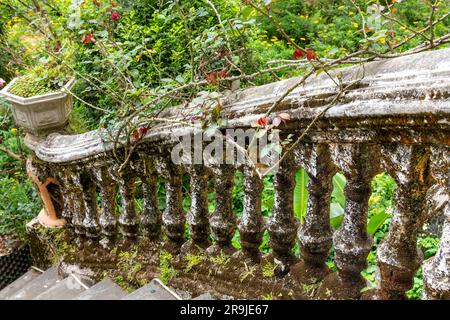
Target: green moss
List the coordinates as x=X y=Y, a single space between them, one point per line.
x=221 y=259
x=128 y=265
x=27 y=86
x=192 y=260
x=165 y=270
x=268 y=296
x=119 y=279
x=42 y=79
x=268 y=270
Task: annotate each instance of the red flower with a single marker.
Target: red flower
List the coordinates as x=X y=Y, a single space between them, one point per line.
x=262 y=122
x=298 y=54
x=311 y=54
x=97 y=3
x=115 y=16
x=88 y=38
x=2 y=82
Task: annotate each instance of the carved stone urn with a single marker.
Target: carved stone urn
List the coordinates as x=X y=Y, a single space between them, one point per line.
x=43 y=114
x=40 y=116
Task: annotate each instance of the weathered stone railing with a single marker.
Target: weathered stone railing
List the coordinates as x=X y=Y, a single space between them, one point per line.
x=395 y=120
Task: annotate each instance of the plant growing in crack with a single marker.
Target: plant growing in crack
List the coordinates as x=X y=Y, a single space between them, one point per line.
x=248 y=272
x=192 y=261
x=127 y=263
x=268 y=269
x=165 y=270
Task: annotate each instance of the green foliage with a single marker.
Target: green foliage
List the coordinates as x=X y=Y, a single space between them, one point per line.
x=18 y=199
x=300 y=194
x=268 y=269
x=127 y=263
x=221 y=259
x=166 y=271
x=193 y=260
x=45 y=78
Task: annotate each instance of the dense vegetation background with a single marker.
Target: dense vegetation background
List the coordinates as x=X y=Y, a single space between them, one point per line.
x=124 y=53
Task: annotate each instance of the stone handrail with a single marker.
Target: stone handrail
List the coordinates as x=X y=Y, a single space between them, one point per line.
x=395 y=119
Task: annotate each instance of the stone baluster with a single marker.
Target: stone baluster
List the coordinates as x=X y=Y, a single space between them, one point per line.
x=223 y=221
x=197 y=217
x=173 y=215
x=78 y=206
x=398 y=255
x=352 y=243
x=436 y=270
x=107 y=217
x=128 y=219
x=282 y=225
x=67 y=193
x=90 y=221
x=315 y=233
x=151 y=219
x=251 y=225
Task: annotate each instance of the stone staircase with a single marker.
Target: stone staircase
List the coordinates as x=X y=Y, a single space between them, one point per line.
x=49 y=285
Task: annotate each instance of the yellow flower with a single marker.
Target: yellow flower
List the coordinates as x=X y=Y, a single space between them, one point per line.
x=356 y=25
x=374 y=199
x=341 y=8
x=351 y=13
x=13 y=130
x=382 y=40
x=303 y=39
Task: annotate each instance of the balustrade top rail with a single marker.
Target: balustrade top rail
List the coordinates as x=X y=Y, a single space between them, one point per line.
x=395 y=119
x=407 y=96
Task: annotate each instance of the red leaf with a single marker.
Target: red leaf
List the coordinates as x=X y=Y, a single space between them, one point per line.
x=284 y=116
x=223 y=74
x=138 y=134
x=213 y=77
x=276 y=121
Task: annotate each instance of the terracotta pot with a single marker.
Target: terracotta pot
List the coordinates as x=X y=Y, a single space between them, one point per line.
x=43 y=114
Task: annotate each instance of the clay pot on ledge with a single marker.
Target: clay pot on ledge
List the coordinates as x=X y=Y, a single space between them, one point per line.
x=43 y=114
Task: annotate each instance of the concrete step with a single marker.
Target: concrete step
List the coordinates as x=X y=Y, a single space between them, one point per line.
x=155 y=290
x=37 y=286
x=20 y=283
x=104 y=290
x=66 y=289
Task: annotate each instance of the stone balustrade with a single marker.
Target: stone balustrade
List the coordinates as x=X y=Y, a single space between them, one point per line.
x=395 y=118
